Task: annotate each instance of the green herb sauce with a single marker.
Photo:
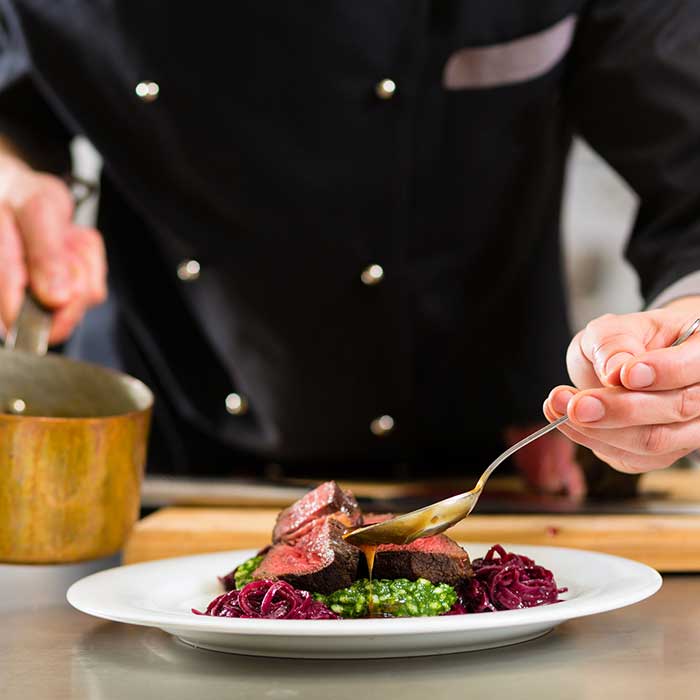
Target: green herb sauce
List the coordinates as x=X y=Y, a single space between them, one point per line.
x=391 y=597
x=244 y=572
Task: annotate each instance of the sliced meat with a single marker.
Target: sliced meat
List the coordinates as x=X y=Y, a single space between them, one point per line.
x=439 y=559
x=228 y=581
x=320 y=560
x=326 y=499
x=372 y=518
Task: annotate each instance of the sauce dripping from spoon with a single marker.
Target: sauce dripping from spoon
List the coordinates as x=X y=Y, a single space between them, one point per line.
x=369 y=550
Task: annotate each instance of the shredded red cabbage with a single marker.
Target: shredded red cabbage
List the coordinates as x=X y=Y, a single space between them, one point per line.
x=274 y=600
x=507 y=582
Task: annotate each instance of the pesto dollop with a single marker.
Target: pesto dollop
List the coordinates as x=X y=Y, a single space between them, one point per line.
x=391 y=597
x=243 y=574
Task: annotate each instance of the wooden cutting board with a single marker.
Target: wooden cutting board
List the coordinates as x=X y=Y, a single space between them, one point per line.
x=666 y=542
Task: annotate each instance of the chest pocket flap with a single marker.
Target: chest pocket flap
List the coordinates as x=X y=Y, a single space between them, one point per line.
x=513 y=61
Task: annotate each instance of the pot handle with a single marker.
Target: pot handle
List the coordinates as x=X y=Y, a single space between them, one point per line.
x=30 y=332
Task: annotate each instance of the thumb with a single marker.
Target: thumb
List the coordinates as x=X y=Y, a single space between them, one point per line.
x=610 y=341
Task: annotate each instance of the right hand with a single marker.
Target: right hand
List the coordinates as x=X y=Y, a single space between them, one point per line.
x=62 y=263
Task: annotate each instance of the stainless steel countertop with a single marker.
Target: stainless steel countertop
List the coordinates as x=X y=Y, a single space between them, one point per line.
x=48 y=650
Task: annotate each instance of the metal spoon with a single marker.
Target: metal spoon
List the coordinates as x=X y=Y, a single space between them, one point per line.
x=435 y=518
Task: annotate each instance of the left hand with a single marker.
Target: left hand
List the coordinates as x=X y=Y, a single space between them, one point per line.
x=635 y=400
x=549 y=464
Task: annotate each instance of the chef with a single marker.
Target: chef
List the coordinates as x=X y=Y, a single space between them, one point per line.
x=330 y=231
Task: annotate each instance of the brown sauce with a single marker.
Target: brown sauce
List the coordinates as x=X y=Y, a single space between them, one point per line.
x=369 y=550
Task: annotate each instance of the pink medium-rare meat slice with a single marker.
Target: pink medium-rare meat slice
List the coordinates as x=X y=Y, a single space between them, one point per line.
x=326 y=499
x=228 y=581
x=320 y=561
x=372 y=518
x=438 y=558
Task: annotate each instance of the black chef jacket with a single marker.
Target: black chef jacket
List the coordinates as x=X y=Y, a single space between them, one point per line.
x=262 y=157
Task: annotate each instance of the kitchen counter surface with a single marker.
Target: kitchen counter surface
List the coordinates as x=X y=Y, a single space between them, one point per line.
x=48 y=650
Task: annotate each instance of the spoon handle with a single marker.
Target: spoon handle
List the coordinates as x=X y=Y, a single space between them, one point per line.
x=514 y=448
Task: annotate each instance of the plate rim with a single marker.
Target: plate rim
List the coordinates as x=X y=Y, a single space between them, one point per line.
x=650 y=582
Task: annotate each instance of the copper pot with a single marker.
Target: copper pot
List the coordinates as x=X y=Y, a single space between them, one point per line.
x=73 y=440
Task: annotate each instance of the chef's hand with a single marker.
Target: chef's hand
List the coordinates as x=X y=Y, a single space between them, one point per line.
x=40 y=246
x=548 y=464
x=635 y=400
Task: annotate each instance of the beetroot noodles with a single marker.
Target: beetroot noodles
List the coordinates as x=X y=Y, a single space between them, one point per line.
x=274 y=600
x=506 y=581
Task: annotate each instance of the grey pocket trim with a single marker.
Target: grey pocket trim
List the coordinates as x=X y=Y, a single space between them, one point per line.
x=688 y=285
x=510 y=62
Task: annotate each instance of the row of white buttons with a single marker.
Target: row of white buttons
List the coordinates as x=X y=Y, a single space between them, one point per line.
x=373 y=274
x=237 y=405
x=148 y=90
x=188 y=271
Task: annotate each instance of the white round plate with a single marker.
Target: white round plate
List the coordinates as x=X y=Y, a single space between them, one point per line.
x=161 y=594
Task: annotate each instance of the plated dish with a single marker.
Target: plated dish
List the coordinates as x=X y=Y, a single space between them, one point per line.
x=163 y=593
x=311 y=572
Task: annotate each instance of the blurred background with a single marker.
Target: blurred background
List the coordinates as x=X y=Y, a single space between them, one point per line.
x=599 y=211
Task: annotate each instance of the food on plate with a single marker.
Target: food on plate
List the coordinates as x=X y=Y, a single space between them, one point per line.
x=320 y=560
x=328 y=499
x=507 y=582
x=242 y=574
x=274 y=600
x=311 y=572
x=439 y=559
x=391 y=598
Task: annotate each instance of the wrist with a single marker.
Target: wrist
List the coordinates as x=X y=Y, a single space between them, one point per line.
x=12 y=167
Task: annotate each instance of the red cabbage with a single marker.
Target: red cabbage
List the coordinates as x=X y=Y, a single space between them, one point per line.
x=507 y=582
x=273 y=600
